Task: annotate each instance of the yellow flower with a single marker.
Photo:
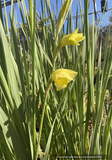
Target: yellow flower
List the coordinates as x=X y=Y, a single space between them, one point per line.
x=62 y=77
x=72 y=38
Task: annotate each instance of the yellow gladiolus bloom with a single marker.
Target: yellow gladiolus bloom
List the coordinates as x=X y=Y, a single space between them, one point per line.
x=72 y=38
x=62 y=77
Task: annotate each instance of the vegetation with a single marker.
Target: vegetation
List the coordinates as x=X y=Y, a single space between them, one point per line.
x=35 y=118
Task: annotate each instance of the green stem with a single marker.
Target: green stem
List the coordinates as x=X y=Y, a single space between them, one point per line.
x=42 y=118
x=46 y=93
x=53 y=65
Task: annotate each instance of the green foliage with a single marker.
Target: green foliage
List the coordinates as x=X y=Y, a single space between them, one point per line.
x=66 y=127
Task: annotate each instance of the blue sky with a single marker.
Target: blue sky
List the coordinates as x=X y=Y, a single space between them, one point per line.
x=74 y=6
x=91 y=9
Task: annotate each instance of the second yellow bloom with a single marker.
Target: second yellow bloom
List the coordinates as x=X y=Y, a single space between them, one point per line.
x=62 y=77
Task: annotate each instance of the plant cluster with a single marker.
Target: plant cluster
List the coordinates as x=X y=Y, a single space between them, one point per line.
x=55 y=98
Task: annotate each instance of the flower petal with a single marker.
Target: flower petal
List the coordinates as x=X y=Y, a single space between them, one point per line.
x=53 y=77
x=71 y=73
x=61 y=83
x=65 y=40
x=74 y=34
x=60 y=73
x=79 y=38
x=62 y=77
x=63 y=74
x=72 y=38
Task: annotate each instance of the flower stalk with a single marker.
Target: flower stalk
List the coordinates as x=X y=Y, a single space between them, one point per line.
x=42 y=118
x=46 y=93
x=61 y=76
